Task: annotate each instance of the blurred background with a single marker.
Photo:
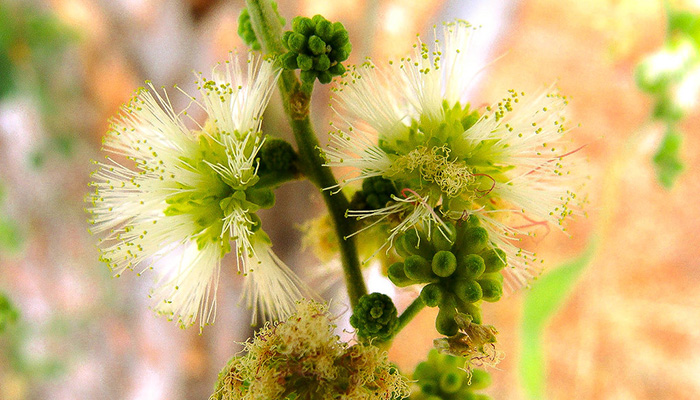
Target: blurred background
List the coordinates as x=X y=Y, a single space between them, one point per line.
x=620 y=321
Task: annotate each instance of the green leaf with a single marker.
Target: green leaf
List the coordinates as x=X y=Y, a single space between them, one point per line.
x=545 y=298
x=667 y=159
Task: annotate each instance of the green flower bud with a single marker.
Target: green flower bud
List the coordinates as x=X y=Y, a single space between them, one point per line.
x=305 y=62
x=398 y=276
x=337 y=69
x=265 y=198
x=289 y=61
x=473 y=240
x=416 y=243
x=324 y=30
x=317 y=45
x=470 y=266
x=324 y=77
x=418 y=269
x=445 y=321
x=493 y=290
x=322 y=63
x=432 y=295
x=340 y=54
x=494 y=259
x=480 y=380
x=303 y=25
x=444 y=263
x=340 y=35
x=375 y=317
x=443 y=239
x=277 y=155
x=308 y=76
x=469 y=309
x=245 y=28
x=451 y=382
x=468 y=290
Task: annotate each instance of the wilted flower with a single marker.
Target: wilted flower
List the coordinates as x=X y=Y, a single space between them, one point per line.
x=183 y=195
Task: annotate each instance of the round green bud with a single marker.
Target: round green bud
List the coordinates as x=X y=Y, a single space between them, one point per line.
x=418 y=269
x=444 y=263
x=296 y=42
x=322 y=63
x=432 y=295
x=496 y=276
x=416 y=243
x=337 y=69
x=303 y=25
x=445 y=321
x=324 y=77
x=495 y=260
x=340 y=35
x=443 y=239
x=340 y=54
x=375 y=317
x=398 y=276
x=492 y=289
x=424 y=371
x=264 y=197
x=468 y=290
x=470 y=266
x=430 y=388
x=308 y=76
x=289 y=61
x=324 y=30
x=474 y=240
x=277 y=155
x=480 y=380
x=470 y=309
x=305 y=62
x=317 y=19
x=317 y=45
x=451 y=382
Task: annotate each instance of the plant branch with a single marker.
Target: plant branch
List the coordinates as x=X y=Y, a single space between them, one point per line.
x=296 y=102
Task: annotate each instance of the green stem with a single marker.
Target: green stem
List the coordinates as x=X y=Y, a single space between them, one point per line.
x=296 y=105
x=409 y=313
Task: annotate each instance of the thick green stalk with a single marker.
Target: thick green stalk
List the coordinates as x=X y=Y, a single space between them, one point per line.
x=296 y=102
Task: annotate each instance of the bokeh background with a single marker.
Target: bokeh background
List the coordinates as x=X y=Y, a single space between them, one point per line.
x=629 y=322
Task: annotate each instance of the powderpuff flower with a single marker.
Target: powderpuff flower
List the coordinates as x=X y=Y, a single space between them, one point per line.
x=173 y=198
x=409 y=122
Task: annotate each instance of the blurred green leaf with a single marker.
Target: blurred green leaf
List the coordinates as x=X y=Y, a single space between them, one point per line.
x=11 y=238
x=8 y=313
x=667 y=159
x=542 y=301
x=7 y=81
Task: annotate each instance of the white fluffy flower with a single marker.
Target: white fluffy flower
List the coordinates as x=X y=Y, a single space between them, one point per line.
x=181 y=196
x=409 y=122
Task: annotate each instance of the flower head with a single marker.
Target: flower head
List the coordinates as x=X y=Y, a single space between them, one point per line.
x=183 y=195
x=302 y=358
x=408 y=122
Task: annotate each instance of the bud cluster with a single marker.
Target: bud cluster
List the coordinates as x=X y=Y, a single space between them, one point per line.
x=375 y=317
x=443 y=377
x=459 y=266
x=316 y=47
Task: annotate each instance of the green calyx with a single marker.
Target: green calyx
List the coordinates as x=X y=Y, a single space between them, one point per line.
x=317 y=47
x=461 y=268
x=443 y=377
x=245 y=28
x=375 y=317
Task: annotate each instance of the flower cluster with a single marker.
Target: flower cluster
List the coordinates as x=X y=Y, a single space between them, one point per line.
x=302 y=358
x=407 y=122
x=183 y=195
x=442 y=376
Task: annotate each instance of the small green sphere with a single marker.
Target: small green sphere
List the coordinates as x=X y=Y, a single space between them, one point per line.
x=444 y=263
